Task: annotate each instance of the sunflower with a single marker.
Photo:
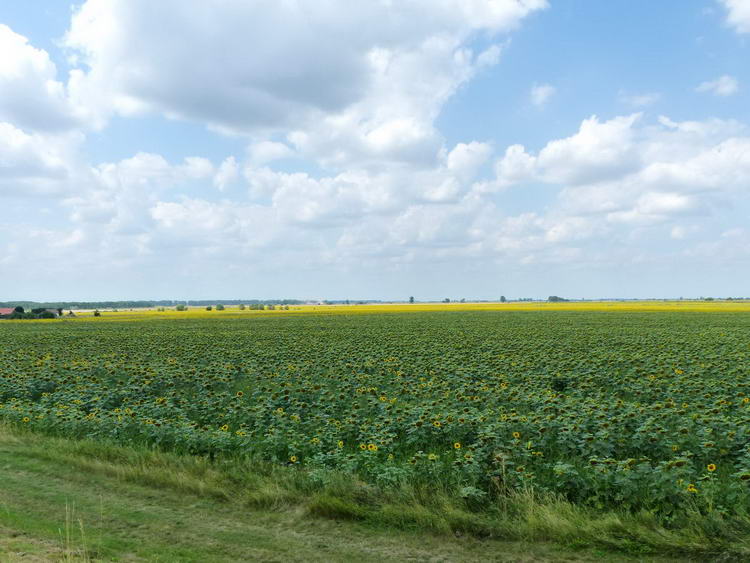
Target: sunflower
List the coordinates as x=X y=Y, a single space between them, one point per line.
x=457 y=445
x=711 y=467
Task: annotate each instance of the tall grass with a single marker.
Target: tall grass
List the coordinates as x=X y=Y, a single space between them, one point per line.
x=430 y=507
x=73 y=538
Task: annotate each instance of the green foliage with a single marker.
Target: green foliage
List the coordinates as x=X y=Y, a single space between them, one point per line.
x=220 y=307
x=616 y=410
x=45 y=479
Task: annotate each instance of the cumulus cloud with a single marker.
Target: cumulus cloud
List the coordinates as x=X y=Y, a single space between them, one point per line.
x=263 y=152
x=738 y=14
x=597 y=151
x=31 y=97
x=351 y=93
x=36 y=164
x=541 y=94
x=282 y=63
x=345 y=81
x=671 y=175
x=723 y=86
x=228 y=173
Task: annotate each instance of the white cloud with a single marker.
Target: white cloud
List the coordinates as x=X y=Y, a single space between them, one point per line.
x=738 y=14
x=723 y=86
x=347 y=82
x=354 y=96
x=661 y=175
x=674 y=178
x=515 y=167
x=597 y=151
x=465 y=159
x=30 y=96
x=263 y=152
x=36 y=164
x=227 y=173
x=541 y=93
x=639 y=100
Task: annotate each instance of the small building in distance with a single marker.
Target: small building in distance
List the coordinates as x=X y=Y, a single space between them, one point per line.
x=38 y=313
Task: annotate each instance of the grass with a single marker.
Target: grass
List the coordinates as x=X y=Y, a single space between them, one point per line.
x=68 y=500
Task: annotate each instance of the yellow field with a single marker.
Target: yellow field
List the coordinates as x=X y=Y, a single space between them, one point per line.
x=740 y=306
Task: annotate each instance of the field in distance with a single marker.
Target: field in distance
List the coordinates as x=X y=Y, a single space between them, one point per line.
x=736 y=305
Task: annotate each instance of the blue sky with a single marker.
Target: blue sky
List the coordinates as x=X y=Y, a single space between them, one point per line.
x=463 y=149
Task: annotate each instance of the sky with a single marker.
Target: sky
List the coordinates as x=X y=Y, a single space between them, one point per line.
x=377 y=149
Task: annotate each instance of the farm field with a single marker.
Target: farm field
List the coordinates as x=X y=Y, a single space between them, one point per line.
x=635 y=419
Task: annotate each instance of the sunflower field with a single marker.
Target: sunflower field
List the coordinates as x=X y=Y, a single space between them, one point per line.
x=608 y=409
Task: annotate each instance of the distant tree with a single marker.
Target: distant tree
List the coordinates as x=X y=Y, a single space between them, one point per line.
x=463 y=300
x=502 y=299
x=208 y=308
x=271 y=307
x=18 y=309
x=411 y=299
x=180 y=308
x=555 y=299
x=242 y=307
x=220 y=307
x=446 y=300
x=97 y=313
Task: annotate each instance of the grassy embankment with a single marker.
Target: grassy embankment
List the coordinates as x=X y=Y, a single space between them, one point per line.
x=79 y=501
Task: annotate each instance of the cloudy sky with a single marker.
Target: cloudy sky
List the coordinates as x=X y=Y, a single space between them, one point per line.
x=374 y=149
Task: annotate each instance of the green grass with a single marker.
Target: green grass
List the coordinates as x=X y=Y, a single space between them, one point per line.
x=66 y=500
